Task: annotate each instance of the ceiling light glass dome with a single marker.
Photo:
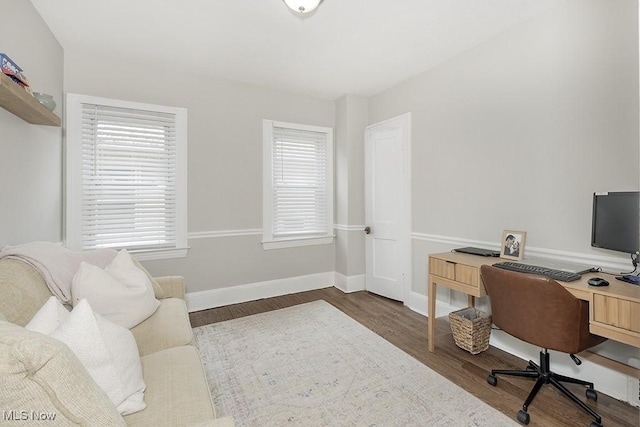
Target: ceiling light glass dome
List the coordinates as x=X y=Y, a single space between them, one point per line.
x=302 y=6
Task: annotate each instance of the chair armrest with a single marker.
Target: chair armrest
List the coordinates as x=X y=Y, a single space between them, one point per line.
x=173 y=286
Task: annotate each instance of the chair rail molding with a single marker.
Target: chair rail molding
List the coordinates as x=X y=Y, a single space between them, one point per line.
x=606 y=262
x=342 y=227
x=216 y=234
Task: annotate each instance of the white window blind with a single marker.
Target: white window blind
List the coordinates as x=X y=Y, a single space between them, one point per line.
x=300 y=199
x=299 y=182
x=129 y=179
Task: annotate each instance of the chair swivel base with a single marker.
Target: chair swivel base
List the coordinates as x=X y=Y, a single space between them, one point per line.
x=543 y=375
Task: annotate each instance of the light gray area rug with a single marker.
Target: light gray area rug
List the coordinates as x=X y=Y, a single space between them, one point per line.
x=312 y=365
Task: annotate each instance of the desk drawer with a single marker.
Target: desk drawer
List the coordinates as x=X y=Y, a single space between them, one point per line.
x=616 y=312
x=453 y=271
x=467 y=274
x=442 y=268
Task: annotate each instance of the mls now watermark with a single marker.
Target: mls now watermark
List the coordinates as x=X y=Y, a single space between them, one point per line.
x=28 y=416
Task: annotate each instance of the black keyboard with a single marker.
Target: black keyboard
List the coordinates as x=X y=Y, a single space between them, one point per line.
x=563 y=276
x=634 y=280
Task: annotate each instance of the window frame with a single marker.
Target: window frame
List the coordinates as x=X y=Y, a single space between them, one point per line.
x=268 y=240
x=74 y=180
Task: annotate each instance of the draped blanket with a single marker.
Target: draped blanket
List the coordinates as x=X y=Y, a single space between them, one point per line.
x=57 y=264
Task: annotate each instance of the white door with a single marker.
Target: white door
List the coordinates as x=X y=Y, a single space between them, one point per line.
x=387 y=209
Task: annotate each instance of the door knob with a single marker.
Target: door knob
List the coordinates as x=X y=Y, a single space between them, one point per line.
x=367 y=230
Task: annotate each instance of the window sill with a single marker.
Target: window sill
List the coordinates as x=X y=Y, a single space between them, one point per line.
x=155 y=254
x=296 y=242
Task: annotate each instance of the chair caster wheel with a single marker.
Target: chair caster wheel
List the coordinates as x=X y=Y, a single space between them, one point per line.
x=523 y=417
x=595 y=424
x=592 y=394
x=492 y=379
x=531 y=368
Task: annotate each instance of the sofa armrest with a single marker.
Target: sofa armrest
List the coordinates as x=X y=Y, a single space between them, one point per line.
x=173 y=286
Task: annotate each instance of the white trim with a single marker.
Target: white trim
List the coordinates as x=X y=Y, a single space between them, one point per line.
x=605 y=262
x=197 y=301
x=73 y=171
x=419 y=303
x=268 y=241
x=633 y=392
x=267 y=172
x=154 y=254
x=216 y=234
x=348 y=284
x=454 y=240
x=293 y=243
x=608 y=381
x=342 y=227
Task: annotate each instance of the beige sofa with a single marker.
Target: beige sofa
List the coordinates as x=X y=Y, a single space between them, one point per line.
x=40 y=376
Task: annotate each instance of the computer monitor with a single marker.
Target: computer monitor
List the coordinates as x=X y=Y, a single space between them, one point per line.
x=616 y=221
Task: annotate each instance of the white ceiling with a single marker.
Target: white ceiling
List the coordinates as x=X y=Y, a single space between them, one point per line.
x=344 y=47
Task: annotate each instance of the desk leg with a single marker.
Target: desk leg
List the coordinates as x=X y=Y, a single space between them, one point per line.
x=431 y=314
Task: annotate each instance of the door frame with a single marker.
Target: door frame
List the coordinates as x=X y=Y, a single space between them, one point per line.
x=404 y=121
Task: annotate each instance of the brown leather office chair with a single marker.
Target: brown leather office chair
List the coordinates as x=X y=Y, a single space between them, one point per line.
x=542 y=312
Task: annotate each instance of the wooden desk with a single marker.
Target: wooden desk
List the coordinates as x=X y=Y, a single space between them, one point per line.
x=614 y=310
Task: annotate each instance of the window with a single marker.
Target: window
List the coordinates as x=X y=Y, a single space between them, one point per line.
x=298 y=185
x=126 y=177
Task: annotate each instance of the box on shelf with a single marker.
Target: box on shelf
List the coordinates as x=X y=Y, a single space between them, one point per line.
x=7 y=66
x=11 y=69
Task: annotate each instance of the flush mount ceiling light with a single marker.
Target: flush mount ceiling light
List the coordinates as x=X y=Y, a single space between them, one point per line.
x=302 y=6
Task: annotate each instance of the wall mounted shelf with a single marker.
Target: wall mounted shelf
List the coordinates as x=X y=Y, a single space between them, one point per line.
x=16 y=100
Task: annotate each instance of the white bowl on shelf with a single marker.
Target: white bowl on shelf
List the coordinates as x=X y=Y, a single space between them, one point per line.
x=46 y=100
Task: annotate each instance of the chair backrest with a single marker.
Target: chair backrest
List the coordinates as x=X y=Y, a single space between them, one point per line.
x=538 y=310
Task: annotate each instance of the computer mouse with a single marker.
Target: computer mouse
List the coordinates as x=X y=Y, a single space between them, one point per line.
x=597 y=281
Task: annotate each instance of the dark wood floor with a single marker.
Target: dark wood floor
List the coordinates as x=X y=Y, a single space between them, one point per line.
x=408 y=330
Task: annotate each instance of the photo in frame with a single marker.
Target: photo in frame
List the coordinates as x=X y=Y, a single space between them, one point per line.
x=513 y=244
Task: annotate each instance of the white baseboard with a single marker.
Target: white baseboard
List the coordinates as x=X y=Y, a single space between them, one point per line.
x=608 y=381
x=197 y=301
x=348 y=284
x=419 y=303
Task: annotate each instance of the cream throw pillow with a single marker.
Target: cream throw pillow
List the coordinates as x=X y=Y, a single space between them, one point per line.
x=42 y=375
x=121 y=292
x=107 y=351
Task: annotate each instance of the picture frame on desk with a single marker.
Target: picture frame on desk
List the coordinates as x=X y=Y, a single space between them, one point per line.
x=513 y=244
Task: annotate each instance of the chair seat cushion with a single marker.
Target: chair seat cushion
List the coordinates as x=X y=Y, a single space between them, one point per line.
x=168 y=327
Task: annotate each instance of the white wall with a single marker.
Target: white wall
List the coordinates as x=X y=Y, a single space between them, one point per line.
x=30 y=155
x=224 y=166
x=351 y=120
x=519 y=132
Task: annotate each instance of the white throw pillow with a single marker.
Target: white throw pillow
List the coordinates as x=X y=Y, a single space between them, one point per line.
x=107 y=351
x=49 y=317
x=121 y=292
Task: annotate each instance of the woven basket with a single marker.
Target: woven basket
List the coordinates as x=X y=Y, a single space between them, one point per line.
x=471 y=329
